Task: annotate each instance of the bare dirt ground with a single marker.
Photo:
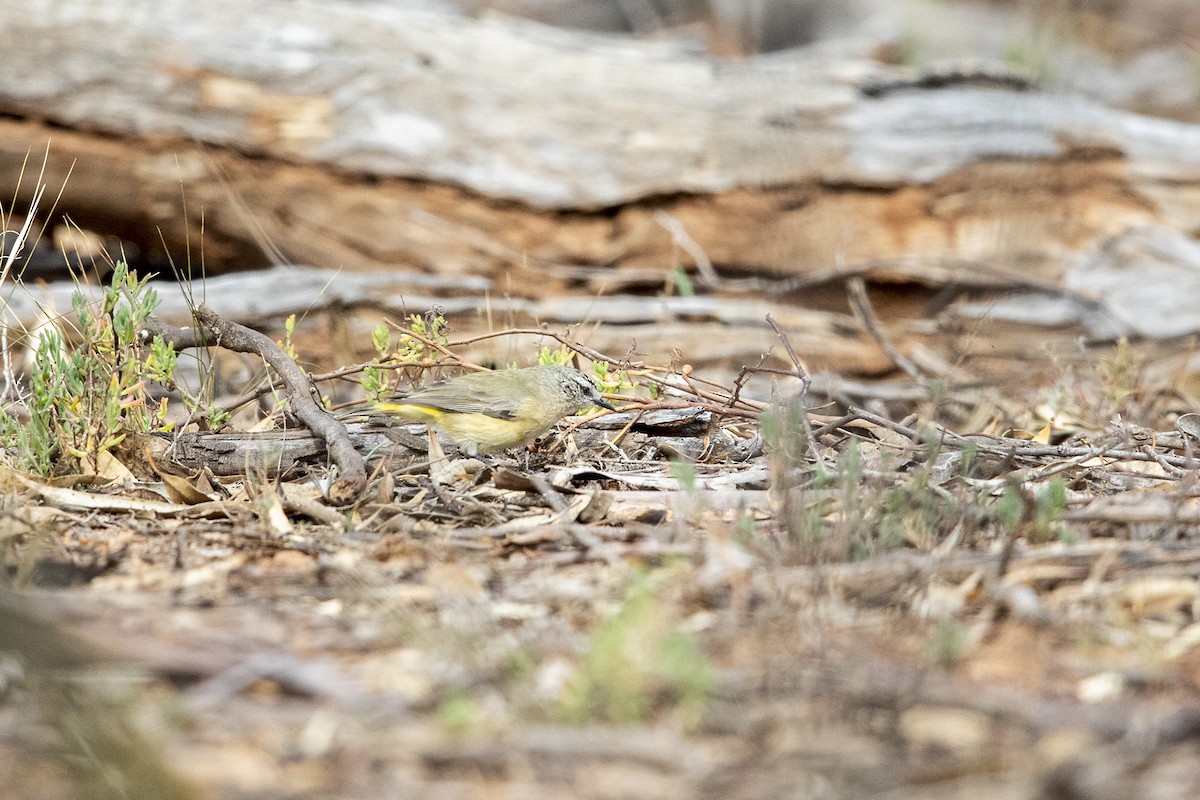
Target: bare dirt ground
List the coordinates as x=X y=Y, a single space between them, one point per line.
x=950 y=608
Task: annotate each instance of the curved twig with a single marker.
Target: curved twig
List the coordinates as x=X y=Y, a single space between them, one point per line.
x=212 y=329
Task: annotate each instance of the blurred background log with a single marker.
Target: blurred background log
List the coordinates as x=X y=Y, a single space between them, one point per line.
x=410 y=134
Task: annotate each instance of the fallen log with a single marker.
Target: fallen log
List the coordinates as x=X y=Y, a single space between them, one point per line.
x=371 y=135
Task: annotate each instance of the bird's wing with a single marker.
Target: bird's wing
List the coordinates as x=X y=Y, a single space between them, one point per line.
x=462 y=400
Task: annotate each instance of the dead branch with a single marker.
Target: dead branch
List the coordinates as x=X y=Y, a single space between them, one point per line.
x=860 y=302
x=805 y=384
x=212 y=330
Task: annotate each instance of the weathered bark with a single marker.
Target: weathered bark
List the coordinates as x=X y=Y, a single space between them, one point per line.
x=371 y=135
x=269 y=453
x=708 y=329
x=274 y=453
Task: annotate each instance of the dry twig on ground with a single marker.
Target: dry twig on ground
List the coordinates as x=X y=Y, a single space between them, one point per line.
x=212 y=330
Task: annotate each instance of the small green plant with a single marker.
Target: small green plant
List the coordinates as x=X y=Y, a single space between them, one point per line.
x=289 y=330
x=912 y=511
x=743 y=529
x=612 y=381
x=85 y=396
x=1119 y=374
x=948 y=645
x=1102 y=391
x=413 y=346
x=683 y=282
x=1037 y=517
x=638 y=661
x=799 y=489
x=685 y=473
x=848 y=512
x=560 y=357
x=852 y=510
x=1051 y=504
x=375 y=379
x=1010 y=507
x=459 y=713
x=970 y=454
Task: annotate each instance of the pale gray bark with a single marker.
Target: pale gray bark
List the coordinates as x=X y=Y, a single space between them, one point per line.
x=774 y=163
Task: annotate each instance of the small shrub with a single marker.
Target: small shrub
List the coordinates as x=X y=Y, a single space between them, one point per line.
x=85 y=397
x=637 y=661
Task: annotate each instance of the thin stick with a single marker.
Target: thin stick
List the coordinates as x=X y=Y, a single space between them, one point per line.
x=441 y=348
x=211 y=329
x=684 y=240
x=583 y=350
x=805 y=383
x=860 y=303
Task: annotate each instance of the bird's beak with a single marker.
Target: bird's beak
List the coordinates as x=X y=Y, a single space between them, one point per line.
x=600 y=401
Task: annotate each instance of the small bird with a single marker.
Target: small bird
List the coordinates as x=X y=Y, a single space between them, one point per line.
x=488 y=411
